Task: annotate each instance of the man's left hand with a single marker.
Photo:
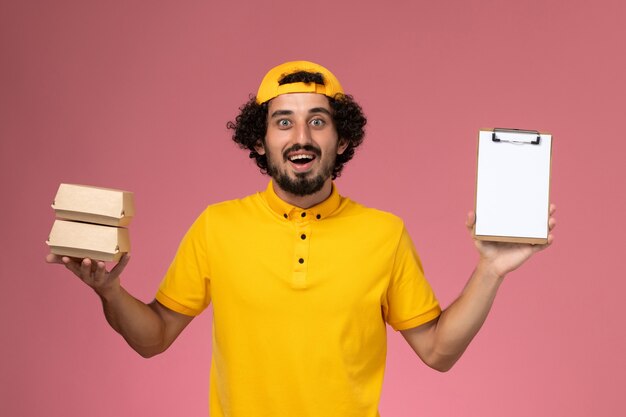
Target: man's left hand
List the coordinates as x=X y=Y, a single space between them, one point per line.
x=501 y=257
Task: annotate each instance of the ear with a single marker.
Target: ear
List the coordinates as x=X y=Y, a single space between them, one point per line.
x=259 y=147
x=342 y=146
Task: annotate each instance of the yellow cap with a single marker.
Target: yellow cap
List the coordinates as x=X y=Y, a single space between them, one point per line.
x=270 y=88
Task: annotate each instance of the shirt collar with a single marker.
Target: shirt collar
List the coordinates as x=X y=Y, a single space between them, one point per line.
x=288 y=211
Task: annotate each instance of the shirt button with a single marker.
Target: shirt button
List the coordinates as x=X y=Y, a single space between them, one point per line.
x=303 y=214
x=301 y=260
x=303 y=236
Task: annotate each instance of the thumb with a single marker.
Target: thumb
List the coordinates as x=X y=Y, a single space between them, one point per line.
x=117 y=269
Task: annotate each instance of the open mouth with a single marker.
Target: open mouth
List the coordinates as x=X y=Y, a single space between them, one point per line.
x=301 y=159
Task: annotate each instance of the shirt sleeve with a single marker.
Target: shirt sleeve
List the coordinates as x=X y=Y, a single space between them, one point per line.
x=410 y=300
x=186 y=287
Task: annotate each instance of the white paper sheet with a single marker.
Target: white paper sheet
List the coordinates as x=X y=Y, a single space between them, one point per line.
x=513 y=184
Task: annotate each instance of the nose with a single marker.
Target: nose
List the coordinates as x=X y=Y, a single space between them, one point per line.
x=303 y=134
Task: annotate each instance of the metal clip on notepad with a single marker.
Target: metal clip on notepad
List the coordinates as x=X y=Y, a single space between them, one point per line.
x=531 y=137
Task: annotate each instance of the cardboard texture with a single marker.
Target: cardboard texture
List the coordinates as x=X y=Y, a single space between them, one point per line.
x=88 y=222
x=94 y=205
x=84 y=240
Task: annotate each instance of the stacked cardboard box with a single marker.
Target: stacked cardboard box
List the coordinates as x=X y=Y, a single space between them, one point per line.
x=91 y=222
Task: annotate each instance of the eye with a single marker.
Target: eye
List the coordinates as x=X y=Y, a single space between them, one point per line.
x=284 y=123
x=318 y=122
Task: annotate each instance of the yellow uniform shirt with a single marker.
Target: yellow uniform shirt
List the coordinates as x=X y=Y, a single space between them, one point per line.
x=300 y=300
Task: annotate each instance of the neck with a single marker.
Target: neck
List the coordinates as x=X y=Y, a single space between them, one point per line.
x=305 y=201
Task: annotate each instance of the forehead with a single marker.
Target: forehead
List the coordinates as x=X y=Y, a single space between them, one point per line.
x=299 y=102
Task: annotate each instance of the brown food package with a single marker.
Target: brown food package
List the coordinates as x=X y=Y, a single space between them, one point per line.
x=84 y=240
x=94 y=205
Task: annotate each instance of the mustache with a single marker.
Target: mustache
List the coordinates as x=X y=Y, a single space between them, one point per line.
x=298 y=147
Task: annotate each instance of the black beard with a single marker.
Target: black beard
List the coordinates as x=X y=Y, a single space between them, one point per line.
x=300 y=186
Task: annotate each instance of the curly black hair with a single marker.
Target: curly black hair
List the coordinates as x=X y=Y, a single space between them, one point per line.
x=250 y=126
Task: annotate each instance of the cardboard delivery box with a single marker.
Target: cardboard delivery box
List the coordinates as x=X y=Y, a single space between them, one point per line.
x=84 y=240
x=94 y=205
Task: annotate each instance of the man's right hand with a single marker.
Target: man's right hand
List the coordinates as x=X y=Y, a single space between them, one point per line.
x=93 y=273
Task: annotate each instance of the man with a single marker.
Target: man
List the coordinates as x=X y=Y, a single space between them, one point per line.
x=302 y=280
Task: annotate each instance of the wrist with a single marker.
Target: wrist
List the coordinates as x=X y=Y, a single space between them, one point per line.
x=489 y=271
x=110 y=293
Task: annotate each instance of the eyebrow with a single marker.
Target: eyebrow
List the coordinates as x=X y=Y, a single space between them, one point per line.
x=314 y=110
x=320 y=110
x=281 y=113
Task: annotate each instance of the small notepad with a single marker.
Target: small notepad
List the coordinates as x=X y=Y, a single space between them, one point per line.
x=513 y=186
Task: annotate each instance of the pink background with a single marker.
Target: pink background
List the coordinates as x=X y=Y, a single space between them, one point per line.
x=136 y=95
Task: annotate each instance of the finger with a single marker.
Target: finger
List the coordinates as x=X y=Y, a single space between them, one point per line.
x=53 y=259
x=59 y=259
x=471 y=219
x=72 y=265
x=85 y=268
x=117 y=269
x=551 y=223
x=94 y=266
x=552 y=209
x=100 y=271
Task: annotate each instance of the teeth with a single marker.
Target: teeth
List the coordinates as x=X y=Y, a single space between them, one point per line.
x=296 y=157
